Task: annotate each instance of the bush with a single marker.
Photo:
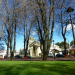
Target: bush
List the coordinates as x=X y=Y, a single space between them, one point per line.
x=40 y=54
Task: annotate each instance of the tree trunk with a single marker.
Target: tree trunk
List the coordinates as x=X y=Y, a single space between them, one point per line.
x=65 y=46
x=14 y=39
x=45 y=51
x=24 y=47
x=45 y=55
x=41 y=47
x=42 y=54
x=11 y=39
x=7 y=49
x=8 y=43
x=24 y=39
x=27 y=46
x=11 y=56
x=72 y=28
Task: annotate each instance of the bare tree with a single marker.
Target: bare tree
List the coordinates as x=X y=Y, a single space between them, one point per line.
x=9 y=19
x=45 y=16
x=26 y=23
x=62 y=18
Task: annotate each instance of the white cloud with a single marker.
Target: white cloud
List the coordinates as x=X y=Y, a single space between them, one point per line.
x=56 y=27
x=69 y=27
x=33 y=33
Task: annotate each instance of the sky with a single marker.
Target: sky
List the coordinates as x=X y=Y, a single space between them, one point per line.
x=56 y=37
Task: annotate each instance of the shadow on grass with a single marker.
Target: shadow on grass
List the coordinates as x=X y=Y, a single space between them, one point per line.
x=34 y=68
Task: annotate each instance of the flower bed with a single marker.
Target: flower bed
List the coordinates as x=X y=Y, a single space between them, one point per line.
x=68 y=56
x=25 y=57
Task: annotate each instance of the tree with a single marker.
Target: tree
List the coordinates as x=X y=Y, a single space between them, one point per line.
x=5 y=38
x=9 y=17
x=61 y=44
x=63 y=22
x=1 y=46
x=26 y=22
x=71 y=43
x=21 y=52
x=69 y=10
x=44 y=11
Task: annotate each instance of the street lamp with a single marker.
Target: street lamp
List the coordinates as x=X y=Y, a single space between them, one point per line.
x=69 y=10
x=54 y=49
x=68 y=44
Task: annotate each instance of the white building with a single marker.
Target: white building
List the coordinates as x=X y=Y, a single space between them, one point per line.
x=56 y=49
x=3 y=53
x=34 y=48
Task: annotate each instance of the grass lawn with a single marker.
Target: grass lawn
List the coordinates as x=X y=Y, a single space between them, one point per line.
x=37 y=67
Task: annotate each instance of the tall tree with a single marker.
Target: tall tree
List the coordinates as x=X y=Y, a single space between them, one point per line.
x=61 y=44
x=44 y=11
x=71 y=43
x=2 y=46
x=62 y=18
x=69 y=10
x=27 y=22
x=9 y=18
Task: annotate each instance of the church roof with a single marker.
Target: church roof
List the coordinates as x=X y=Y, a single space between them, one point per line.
x=34 y=43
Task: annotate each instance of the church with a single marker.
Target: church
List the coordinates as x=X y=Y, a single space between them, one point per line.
x=34 y=48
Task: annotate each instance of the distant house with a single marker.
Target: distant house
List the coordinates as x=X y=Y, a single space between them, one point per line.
x=56 y=49
x=72 y=49
x=17 y=53
x=3 y=53
x=34 y=48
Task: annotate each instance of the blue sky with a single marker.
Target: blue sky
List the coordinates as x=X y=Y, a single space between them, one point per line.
x=57 y=37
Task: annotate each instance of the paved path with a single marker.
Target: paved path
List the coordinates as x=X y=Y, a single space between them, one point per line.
x=40 y=59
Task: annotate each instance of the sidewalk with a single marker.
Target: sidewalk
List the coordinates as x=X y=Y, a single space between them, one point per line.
x=40 y=59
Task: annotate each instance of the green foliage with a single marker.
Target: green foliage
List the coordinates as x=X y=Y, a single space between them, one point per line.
x=15 y=51
x=71 y=43
x=40 y=54
x=37 y=67
x=61 y=45
x=21 y=52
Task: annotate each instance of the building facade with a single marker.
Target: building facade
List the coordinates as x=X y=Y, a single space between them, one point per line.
x=34 y=48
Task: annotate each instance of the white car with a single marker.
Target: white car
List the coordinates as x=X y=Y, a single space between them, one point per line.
x=50 y=55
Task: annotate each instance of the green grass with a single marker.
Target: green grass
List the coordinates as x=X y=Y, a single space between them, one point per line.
x=37 y=67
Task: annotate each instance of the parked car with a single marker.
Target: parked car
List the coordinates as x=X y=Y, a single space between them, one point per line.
x=27 y=56
x=18 y=56
x=59 y=55
x=50 y=55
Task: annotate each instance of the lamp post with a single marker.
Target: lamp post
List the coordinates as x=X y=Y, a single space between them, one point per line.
x=54 y=49
x=69 y=10
x=68 y=43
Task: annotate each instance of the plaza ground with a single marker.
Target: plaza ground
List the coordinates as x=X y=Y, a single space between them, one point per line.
x=40 y=59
